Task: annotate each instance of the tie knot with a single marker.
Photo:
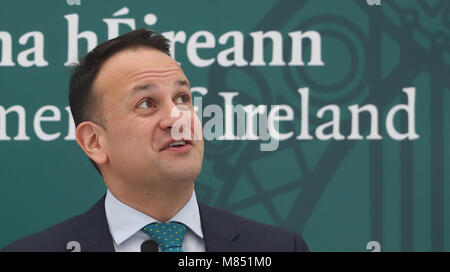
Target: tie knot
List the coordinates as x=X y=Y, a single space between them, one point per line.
x=169 y=236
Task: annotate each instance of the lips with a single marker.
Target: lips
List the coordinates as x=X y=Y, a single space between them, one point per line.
x=171 y=143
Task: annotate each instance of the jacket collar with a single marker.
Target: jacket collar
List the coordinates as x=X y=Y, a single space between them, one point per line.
x=95 y=234
x=219 y=234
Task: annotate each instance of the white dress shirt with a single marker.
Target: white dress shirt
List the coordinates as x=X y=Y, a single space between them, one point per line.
x=125 y=224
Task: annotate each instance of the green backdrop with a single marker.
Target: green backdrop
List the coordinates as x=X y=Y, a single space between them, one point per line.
x=339 y=194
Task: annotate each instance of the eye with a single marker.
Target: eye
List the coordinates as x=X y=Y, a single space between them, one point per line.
x=182 y=99
x=146 y=104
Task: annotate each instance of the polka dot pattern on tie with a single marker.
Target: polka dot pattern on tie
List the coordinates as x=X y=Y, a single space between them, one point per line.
x=169 y=236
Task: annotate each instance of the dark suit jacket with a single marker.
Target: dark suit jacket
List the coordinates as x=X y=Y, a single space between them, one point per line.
x=222 y=232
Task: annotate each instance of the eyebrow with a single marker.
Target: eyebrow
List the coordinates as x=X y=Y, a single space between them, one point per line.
x=182 y=83
x=143 y=87
x=149 y=86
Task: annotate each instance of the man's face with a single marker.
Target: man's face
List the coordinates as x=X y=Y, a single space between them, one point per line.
x=138 y=90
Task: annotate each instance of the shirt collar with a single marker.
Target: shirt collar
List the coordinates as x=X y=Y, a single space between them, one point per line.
x=124 y=221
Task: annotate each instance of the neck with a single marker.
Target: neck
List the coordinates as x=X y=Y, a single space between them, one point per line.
x=160 y=202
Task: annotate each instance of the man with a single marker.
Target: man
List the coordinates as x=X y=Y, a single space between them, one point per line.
x=127 y=98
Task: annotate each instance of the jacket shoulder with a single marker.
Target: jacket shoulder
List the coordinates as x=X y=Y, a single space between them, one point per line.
x=54 y=238
x=250 y=235
x=89 y=229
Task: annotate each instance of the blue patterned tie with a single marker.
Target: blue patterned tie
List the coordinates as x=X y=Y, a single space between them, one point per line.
x=169 y=236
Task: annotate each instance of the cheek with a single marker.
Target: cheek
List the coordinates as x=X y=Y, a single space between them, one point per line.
x=132 y=134
x=145 y=135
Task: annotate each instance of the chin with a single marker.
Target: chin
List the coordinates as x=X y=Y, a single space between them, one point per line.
x=187 y=172
x=183 y=177
x=186 y=168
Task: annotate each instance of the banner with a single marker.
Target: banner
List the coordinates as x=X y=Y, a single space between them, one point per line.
x=326 y=118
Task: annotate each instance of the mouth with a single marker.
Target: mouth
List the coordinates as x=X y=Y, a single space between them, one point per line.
x=176 y=145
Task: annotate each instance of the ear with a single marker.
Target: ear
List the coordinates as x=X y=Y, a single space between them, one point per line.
x=90 y=137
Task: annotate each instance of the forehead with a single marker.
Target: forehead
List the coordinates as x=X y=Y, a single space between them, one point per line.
x=130 y=66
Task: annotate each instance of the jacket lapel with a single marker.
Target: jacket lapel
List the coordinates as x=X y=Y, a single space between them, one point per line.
x=95 y=234
x=219 y=234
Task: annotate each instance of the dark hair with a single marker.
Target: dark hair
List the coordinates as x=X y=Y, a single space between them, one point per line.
x=81 y=99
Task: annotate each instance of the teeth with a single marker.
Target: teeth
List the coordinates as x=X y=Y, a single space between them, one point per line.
x=177 y=143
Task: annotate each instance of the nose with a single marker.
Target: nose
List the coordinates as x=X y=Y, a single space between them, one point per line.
x=177 y=120
x=170 y=115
